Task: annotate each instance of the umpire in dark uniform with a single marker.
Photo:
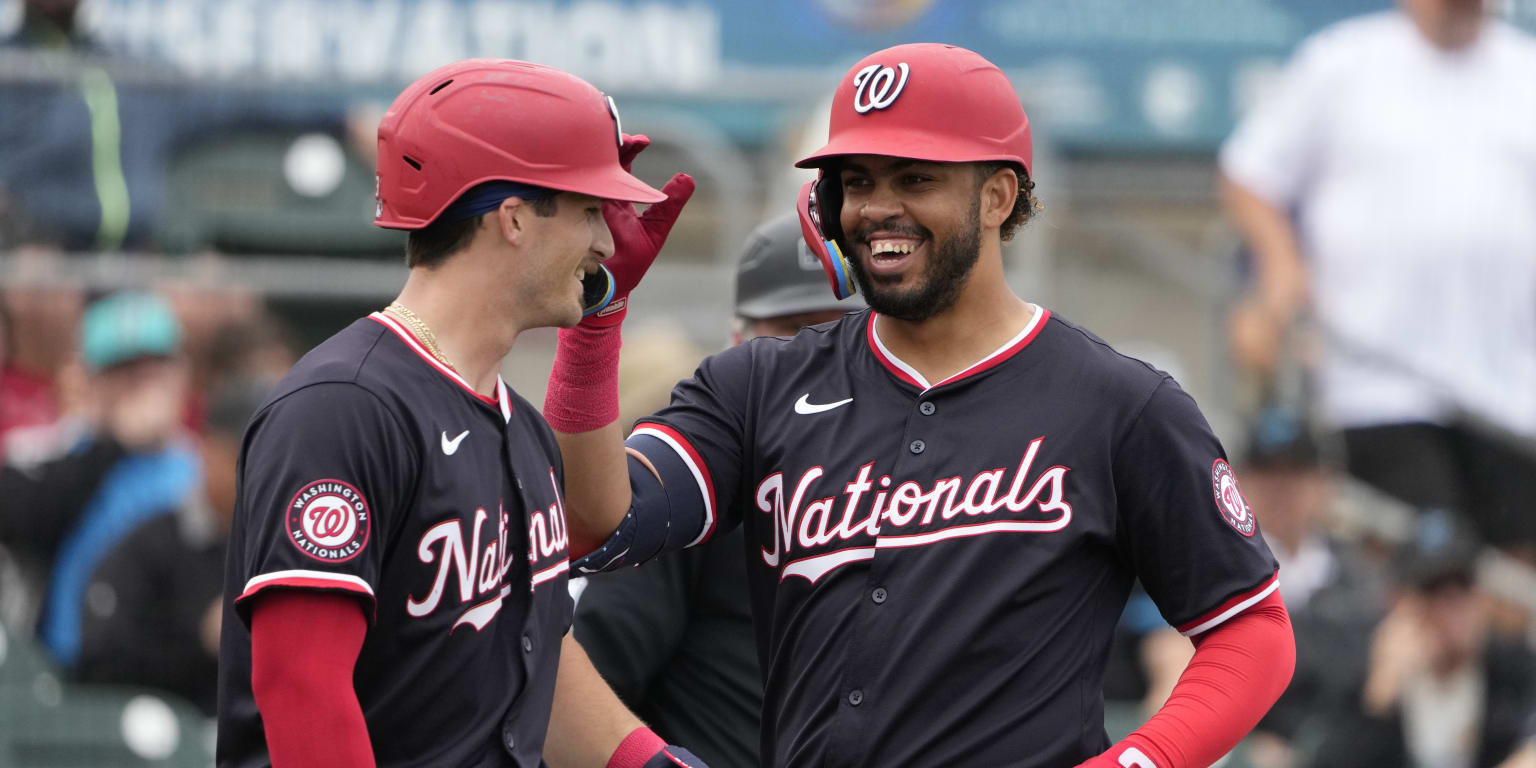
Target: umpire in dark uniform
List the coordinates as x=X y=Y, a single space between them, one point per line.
x=674 y=636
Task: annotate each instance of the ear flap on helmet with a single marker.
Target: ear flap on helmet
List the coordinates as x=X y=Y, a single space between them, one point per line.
x=820 y=206
x=596 y=291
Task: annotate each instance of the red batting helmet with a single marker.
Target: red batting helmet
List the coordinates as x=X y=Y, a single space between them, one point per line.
x=485 y=120
x=924 y=101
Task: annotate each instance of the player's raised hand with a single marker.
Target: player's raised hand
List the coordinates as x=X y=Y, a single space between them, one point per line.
x=637 y=237
x=630 y=146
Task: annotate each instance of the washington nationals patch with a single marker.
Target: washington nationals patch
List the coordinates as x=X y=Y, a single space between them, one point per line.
x=328 y=520
x=1229 y=499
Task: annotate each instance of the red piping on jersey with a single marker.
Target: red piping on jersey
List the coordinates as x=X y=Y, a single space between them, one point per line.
x=696 y=462
x=896 y=366
x=1232 y=607
x=421 y=351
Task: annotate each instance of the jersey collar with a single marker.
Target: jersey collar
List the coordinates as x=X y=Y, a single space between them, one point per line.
x=908 y=374
x=501 y=401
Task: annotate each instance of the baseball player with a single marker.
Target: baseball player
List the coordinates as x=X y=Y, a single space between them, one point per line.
x=947 y=497
x=396 y=581
x=674 y=638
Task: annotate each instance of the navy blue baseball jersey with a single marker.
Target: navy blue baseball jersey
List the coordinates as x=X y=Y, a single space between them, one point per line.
x=936 y=568
x=377 y=472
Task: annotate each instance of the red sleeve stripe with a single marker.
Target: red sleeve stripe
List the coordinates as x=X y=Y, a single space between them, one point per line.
x=1230 y=608
x=696 y=465
x=307 y=580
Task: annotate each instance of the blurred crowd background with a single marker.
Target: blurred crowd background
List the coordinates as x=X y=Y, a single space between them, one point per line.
x=1318 y=215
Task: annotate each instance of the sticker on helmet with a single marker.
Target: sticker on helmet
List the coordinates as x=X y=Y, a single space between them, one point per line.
x=1229 y=499
x=877 y=86
x=618 y=125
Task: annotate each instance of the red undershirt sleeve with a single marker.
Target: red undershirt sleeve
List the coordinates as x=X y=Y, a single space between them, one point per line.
x=1239 y=669
x=303 y=649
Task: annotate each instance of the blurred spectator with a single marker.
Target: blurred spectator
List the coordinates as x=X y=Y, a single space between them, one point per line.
x=1146 y=658
x=1390 y=183
x=656 y=352
x=258 y=347
x=62 y=515
x=226 y=332
x=1334 y=594
x=39 y=321
x=86 y=143
x=51 y=24
x=152 y=611
x=674 y=636
x=1441 y=690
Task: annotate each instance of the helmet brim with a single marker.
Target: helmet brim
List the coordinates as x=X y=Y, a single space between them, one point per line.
x=903 y=142
x=618 y=185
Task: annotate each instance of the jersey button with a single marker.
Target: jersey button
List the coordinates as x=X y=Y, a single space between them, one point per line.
x=878 y=595
x=927 y=408
x=855 y=697
x=527 y=644
x=917 y=446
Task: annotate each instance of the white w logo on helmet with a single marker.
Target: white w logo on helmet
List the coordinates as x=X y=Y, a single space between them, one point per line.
x=879 y=84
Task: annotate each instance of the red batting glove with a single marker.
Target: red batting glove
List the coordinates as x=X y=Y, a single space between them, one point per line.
x=637 y=237
x=583 y=391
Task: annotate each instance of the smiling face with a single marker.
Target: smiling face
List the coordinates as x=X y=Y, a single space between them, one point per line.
x=562 y=249
x=913 y=232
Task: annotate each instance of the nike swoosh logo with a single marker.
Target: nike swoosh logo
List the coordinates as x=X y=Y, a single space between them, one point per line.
x=806 y=407
x=451 y=447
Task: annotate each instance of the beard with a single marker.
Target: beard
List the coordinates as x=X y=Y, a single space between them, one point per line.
x=951 y=263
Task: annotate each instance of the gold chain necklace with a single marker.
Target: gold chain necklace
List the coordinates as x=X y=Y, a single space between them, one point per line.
x=420 y=329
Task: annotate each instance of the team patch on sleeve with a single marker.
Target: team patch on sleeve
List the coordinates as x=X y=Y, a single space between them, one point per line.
x=329 y=521
x=1230 y=500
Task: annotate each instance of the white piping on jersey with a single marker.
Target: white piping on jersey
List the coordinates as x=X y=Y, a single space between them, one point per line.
x=342 y=579
x=1211 y=623
x=976 y=529
x=816 y=566
x=1029 y=327
x=813 y=568
x=411 y=341
x=480 y=615
x=1135 y=758
x=698 y=477
x=550 y=573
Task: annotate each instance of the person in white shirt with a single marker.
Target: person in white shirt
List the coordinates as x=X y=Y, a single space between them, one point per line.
x=1389 y=187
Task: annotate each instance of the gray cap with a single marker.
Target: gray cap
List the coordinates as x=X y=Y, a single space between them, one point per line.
x=778 y=275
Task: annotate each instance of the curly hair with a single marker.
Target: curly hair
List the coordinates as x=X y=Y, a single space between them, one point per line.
x=1024 y=206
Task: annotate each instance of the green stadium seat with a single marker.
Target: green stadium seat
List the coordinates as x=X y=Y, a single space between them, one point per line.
x=101 y=727
x=230 y=193
x=46 y=722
